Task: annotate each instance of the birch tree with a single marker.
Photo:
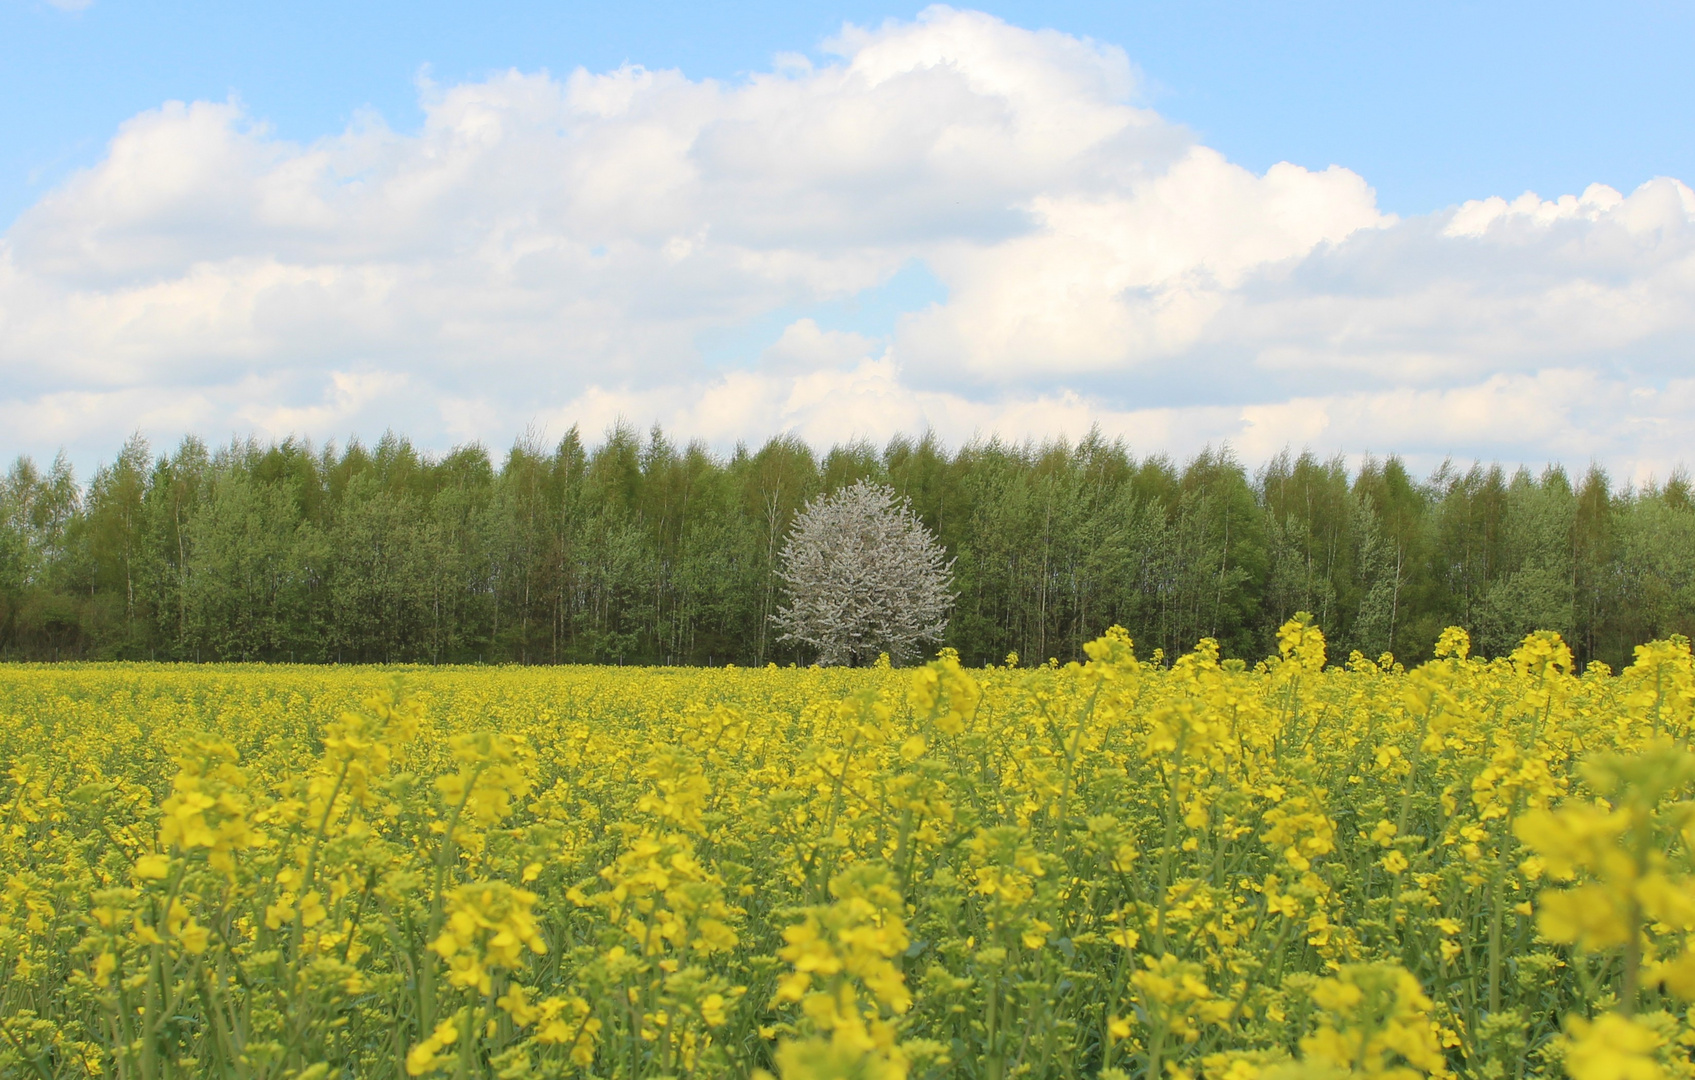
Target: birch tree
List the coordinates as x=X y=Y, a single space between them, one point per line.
x=864 y=576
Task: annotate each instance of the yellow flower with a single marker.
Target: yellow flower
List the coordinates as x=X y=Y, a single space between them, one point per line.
x=427 y=1056
x=1035 y=935
x=1589 y=916
x=279 y=914
x=1374 y=1017
x=312 y=910
x=1159 y=855
x=516 y=1002
x=1612 y=1047
x=567 y=1020
x=489 y=924
x=152 y=867
x=713 y=1010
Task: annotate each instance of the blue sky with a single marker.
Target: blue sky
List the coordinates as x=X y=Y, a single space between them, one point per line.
x=1270 y=225
x=1436 y=102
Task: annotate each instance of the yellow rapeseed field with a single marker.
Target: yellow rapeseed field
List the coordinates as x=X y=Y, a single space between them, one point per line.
x=1122 y=868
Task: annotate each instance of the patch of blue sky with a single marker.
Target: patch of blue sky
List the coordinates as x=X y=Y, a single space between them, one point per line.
x=871 y=313
x=1432 y=101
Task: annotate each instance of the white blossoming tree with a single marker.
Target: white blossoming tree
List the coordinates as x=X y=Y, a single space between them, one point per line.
x=864 y=576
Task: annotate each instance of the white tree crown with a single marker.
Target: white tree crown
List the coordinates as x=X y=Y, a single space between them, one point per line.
x=864 y=576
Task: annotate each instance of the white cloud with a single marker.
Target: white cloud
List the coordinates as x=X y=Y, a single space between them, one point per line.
x=554 y=251
x=1130 y=275
x=804 y=346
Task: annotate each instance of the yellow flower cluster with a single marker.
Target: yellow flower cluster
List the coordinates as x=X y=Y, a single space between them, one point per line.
x=1118 y=868
x=846 y=981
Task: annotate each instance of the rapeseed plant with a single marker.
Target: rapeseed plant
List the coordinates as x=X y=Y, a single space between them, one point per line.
x=1120 y=868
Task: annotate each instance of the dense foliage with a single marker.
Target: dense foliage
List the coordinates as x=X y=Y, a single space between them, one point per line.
x=641 y=552
x=1114 y=869
x=864 y=577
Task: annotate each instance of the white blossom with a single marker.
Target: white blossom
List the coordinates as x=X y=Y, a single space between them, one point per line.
x=864 y=576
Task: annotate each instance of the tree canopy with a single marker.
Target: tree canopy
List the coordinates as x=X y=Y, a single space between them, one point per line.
x=639 y=550
x=863 y=577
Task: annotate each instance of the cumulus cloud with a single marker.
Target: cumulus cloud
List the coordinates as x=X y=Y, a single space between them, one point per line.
x=547 y=251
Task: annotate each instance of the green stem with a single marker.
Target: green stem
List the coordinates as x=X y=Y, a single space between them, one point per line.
x=427 y=969
x=1170 y=842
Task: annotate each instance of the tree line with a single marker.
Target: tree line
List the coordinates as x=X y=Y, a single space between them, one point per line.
x=642 y=551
